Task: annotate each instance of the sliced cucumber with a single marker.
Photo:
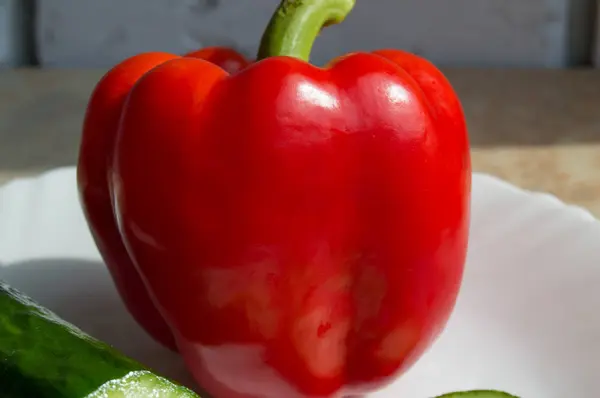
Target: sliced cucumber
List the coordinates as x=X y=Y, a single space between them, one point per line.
x=478 y=394
x=141 y=384
x=42 y=356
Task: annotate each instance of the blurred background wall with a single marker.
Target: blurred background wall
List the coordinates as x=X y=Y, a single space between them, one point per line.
x=454 y=33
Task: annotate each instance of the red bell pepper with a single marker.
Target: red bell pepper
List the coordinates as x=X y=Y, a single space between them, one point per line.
x=99 y=133
x=302 y=231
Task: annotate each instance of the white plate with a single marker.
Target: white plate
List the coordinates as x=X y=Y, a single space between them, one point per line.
x=527 y=320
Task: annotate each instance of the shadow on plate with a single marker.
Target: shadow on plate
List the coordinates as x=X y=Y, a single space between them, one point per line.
x=82 y=293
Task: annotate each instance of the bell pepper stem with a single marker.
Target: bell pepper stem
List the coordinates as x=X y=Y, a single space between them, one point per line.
x=296 y=24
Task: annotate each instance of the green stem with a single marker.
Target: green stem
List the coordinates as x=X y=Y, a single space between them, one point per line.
x=297 y=23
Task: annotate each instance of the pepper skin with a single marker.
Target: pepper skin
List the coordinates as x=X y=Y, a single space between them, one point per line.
x=302 y=230
x=228 y=59
x=99 y=132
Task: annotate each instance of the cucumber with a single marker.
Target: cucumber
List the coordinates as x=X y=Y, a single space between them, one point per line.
x=478 y=394
x=42 y=356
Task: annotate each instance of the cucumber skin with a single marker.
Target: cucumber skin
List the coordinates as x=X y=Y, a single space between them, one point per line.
x=478 y=394
x=43 y=356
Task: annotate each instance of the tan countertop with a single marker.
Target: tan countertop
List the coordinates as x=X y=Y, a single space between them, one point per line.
x=539 y=129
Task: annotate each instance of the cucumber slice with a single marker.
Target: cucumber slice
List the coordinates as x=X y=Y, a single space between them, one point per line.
x=141 y=384
x=478 y=394
x=43 y=356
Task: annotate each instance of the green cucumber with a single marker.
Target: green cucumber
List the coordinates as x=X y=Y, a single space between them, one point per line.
x=478 y=394
x=43 y=356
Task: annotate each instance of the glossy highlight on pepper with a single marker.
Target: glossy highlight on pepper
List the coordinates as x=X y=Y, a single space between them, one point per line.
x=297 y=231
